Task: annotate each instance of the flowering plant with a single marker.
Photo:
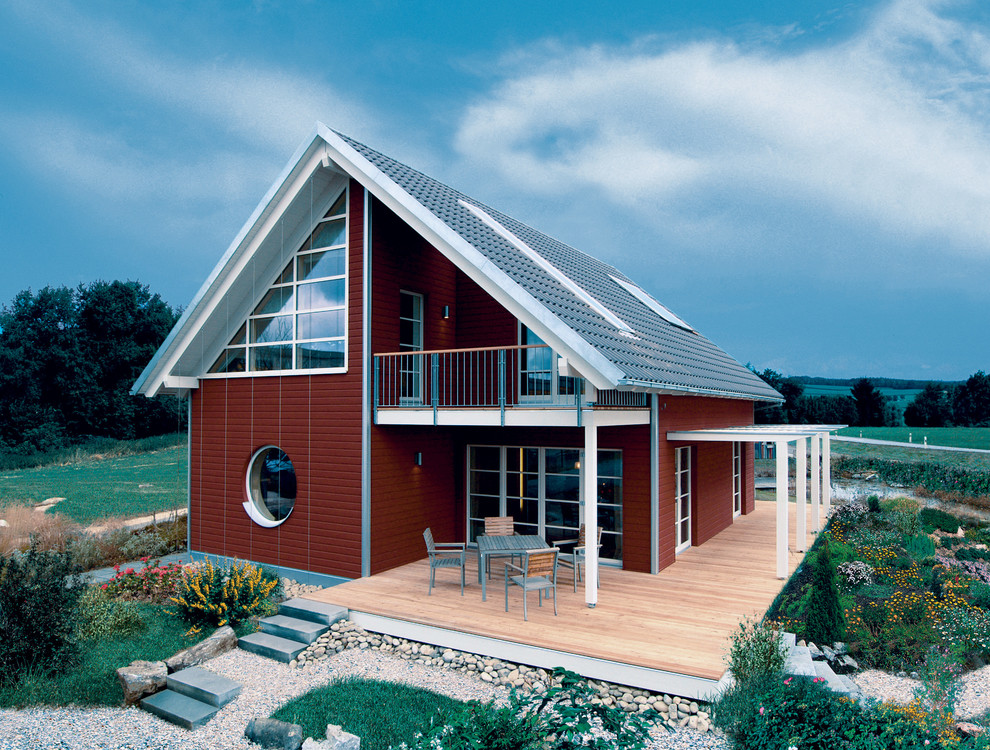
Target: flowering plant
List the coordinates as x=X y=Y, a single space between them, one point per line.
x=154 y=582
x=856 y=573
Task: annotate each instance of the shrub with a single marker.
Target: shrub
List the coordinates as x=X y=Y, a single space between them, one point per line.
x=979 y=595
x=154 y=582
x=211 y=596
x=755 y=650
x=776 y=713
x=38 y=594
x=849 y=513
x=965 y=632
x=904 y=516
x=562 y=718
x=101 y=616
x=873 y=504
x=824 y=615
x=855 y=574
x=933 y=519
x=919 y=547
x=972 y=553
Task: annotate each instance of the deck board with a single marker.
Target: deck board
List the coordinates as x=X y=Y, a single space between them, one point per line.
x=677 y=621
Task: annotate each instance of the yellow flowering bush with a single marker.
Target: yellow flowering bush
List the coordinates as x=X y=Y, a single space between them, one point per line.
x=212 y=596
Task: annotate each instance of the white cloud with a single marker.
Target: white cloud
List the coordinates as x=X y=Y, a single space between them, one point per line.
x=887 y=128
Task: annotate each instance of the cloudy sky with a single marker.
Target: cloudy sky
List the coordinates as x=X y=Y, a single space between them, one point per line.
x=807 y=184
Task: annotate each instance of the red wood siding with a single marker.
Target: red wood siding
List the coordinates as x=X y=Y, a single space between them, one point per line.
x=711 y=466
x=316 y=420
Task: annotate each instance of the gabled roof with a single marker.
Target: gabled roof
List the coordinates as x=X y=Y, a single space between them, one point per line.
x=610 y=330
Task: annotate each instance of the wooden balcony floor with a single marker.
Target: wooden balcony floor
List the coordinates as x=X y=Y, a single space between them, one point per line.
x=673 y=624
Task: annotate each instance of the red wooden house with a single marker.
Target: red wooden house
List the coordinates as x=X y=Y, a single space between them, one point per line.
x=377 y=353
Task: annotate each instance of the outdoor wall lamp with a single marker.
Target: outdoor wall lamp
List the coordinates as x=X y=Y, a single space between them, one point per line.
x=418 y=458
x=446 y=312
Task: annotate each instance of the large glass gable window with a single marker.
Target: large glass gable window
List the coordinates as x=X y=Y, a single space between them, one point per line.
x=300 y=322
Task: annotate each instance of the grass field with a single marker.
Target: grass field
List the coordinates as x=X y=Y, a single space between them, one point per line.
x=954 y=437
x=98 y=487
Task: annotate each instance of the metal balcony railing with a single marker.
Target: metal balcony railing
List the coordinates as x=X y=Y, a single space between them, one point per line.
x=493 y=377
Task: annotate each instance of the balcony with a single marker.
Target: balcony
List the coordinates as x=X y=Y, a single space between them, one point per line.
x=493 y=386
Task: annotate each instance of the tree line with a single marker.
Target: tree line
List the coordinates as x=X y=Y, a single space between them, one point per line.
x=964 y=404
x=68 y=358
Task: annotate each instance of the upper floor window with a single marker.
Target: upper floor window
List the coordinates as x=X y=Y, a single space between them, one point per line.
x=300 y=321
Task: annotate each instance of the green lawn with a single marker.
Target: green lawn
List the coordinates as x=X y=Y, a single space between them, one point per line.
x=382 y=714
x=93 y=682
x=97 y=488
x=954 y=437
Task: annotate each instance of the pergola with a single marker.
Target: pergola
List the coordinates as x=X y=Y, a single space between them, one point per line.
x=781 y=436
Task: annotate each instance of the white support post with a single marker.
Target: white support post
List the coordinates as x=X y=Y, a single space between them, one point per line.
x=816 y=483
x=781 y=450
x=800 y=490
x=826 y=475
x=589 y=470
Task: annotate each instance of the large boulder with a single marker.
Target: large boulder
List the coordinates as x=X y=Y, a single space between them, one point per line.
x=142 y=678
x=222 y=641
x=275 y=734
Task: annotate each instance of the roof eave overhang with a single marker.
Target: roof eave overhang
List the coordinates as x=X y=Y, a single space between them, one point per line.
x=684 y=390
x=305 y=160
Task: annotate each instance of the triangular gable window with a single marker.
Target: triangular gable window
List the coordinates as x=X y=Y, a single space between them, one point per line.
x=300 y=322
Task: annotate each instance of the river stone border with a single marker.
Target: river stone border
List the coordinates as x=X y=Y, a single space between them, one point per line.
x=674 y=710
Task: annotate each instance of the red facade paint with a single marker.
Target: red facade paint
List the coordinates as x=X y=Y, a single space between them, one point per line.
x=317 y=420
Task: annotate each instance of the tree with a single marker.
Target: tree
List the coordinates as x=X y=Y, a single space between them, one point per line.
x=824 y=619
x=791 y=390
x=971 y=402
x=870 y=403
x=827 y=410
x=930 y=408
x=68 y=358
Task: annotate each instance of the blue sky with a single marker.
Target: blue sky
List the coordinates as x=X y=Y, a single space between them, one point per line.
x=807 y=184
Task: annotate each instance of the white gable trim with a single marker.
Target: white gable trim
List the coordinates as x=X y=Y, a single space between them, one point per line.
x=597 y=368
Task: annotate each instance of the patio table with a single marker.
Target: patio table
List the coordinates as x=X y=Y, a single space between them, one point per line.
x=503 y=545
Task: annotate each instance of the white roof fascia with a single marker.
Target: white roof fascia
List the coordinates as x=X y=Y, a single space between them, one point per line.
x=681 y=390
x=152 y=378
x=598 y=369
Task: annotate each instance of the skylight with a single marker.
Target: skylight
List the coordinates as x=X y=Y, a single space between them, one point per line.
x=551 y=269
x=651 y=303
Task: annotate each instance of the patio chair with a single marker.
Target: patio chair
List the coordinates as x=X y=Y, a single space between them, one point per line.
x=538 y=572
x=444 y=555
x=499 y=526
x=574 y=559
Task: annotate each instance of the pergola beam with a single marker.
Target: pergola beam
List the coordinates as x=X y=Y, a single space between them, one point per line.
x=781 y=436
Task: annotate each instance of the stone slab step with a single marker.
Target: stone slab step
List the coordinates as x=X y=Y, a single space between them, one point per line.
x=179 y=709
x=837 y=683
x=790 y=639
x=304 y=631
x=799 y=662
x=307 y=609
x=272 y=646
x=203 y=685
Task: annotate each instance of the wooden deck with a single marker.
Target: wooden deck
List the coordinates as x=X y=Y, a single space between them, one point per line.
x=667 y=632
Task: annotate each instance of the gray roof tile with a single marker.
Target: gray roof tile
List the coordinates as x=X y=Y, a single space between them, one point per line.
x=662 y=355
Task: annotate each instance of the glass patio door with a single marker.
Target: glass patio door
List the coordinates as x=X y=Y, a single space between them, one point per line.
x=541 y=489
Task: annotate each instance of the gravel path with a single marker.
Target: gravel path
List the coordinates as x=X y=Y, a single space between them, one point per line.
x=134 y=729
x=972 y=698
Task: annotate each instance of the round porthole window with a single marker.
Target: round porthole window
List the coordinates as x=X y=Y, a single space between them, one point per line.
x=271 y=486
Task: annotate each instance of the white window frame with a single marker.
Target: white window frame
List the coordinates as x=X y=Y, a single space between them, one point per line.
x=295 y=341
x=541 y=498
x=555 y=396
x=416 y=397
x=736 y=479
x=682 y=491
